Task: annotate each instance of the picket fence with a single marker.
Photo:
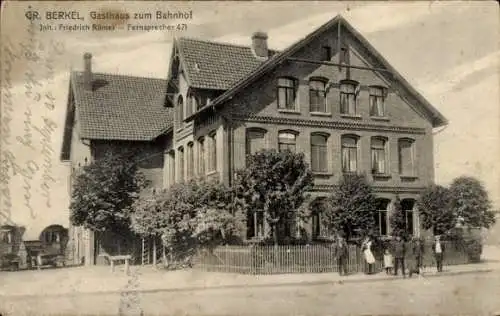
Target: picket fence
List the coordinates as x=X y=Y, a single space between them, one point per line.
x=315 y=258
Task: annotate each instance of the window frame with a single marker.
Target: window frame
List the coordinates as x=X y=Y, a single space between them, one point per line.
x=411 y=172
x=377 y=93
x=318 y=107
x=180 y=110
x=286 y=142
x=383 y=148
x=257 y=130
x=352 y=149
x=190 y=160
x=326 y=53
x=201 y=156
x=322 y=152
x=180 y=160
x=382 y=214
x=289 y=105
x=409 y=213
x=212 y=152
x=345 y=96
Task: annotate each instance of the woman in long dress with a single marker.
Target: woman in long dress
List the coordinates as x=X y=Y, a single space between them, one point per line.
x=367 y=251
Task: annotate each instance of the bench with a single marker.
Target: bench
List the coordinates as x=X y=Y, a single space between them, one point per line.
x=113 y=259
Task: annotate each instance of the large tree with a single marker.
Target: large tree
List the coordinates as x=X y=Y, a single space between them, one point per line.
x=274 y=183
x=470 y=202
x=435 y=210
x=351 y=208
x=104 y=190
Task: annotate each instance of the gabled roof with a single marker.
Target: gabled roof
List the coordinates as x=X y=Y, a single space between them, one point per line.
x=436 y=118
x=118 y=108
x=218 y=66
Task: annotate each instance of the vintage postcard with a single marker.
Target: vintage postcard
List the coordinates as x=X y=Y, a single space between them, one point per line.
x=249 y=158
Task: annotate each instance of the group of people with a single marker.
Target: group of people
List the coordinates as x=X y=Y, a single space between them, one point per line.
x=394 y=255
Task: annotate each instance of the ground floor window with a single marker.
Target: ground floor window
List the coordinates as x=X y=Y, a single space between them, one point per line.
x=381 y=216
x=407 y=206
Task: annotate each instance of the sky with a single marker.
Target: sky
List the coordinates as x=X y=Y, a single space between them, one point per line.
x=448 y=50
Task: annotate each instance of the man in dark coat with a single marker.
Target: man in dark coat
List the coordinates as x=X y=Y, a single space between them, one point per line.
x=438 y=249
x=399 y=255
x=417 y=247
x=342 y=255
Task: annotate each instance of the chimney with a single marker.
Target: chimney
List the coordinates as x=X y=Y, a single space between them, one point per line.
x=259 y=44
x=87 y=71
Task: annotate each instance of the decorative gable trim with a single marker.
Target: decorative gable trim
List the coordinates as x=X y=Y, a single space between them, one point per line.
x=329 y=124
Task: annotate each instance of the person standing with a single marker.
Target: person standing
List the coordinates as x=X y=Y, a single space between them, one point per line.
x=438 y=248
x=388 y=261
x=399 y=256
x=367 y=251
x=342 y=255
x=417 y=248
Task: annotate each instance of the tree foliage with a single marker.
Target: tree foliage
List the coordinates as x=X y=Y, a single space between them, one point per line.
x=351 y=208
x=470 y=202
x=275 y=183
x=435 y=211
x=188 y=216
x=104 y=190
x=398 y=221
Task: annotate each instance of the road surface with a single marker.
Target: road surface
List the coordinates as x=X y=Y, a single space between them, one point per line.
x=471 y=294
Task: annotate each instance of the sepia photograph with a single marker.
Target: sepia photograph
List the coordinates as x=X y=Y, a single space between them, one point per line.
x=250 y=158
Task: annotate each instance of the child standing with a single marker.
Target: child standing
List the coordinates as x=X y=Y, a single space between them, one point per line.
x=388 y=261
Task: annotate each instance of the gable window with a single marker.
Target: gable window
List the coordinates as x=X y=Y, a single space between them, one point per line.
x=201 y=156
x=349 y=153
x=212 y=154
x=190 y=161
x=406 y=156
x=326 y=53
x=317 y=95
x=407 y=207
x=379 y=158
x=180 y=160
x=180 y=110
x=287 y=141
x=377 y=98
x=255 y=140
x=348 y=92
x=381 y=216
x=287 y=92
x=319 y=153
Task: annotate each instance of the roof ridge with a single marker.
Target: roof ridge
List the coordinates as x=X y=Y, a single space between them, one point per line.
x=118 y=75
x=213 y=42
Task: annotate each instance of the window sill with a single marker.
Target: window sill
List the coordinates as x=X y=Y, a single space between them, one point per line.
x=381 y=176
x=351 y=116
x=380 y=118
x=288 y=111
x=408 y=178
x=322 y=174
x=320 y=114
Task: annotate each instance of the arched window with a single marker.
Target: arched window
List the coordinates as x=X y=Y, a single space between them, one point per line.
x=407 y=207
x=349 y=153
x=348 y=95
x=287 y=140
x=319 y=160
x=255 y=140
x=171 y=155
x=381 y=216
x=212 y=154
x=190 y=160
x=287 y=92
x=180 y=110
x=379 y=158
x=192 y=104
x=377 y=98
x=180 y=160
x=201 y=156
x=406 y=156
x=317 y=95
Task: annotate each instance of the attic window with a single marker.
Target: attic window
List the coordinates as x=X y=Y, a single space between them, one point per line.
x=326 y=53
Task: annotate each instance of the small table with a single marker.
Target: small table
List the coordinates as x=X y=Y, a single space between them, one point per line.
x=113 y=259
